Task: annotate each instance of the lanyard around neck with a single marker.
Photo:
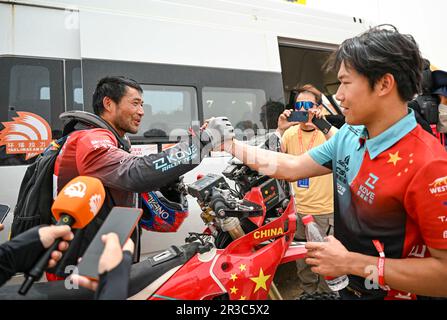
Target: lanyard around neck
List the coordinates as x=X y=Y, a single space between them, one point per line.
x=300 y=141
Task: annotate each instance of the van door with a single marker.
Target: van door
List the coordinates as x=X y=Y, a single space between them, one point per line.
x=40 y=74
x=28 y=85
x=303 y=63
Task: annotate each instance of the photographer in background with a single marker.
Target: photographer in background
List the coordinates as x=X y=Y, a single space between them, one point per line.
x=440 y=89
x=330 y=113
x=270 y=112
x=313 y=196
x=425 y=106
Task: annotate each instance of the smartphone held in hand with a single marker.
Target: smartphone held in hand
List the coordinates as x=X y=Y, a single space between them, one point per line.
x=121 y=221
x=322 y=124
x=4 y=209
x=298 y=116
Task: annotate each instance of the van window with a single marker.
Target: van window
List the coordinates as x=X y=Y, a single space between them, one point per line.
x=73 y=85
x=78 y=95
x=34 y=86
x=241 y=106
x=167 y=108
x=29 y=90
x=45 y=93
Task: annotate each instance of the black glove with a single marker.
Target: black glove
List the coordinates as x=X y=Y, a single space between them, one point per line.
x=114 y=285
x=20 y=254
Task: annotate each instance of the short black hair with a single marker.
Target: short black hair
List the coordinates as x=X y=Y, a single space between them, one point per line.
x=309 y=88
x=114 y=88
x=270 y=113
x=379 y=51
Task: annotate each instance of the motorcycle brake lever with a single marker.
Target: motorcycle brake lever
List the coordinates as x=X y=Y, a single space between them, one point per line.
x=205 y=247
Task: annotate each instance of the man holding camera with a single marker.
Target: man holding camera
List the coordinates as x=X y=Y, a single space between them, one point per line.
x=313 y=196
x=440 y=89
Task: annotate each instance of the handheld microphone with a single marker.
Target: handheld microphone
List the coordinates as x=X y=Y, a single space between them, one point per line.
x=75 y=206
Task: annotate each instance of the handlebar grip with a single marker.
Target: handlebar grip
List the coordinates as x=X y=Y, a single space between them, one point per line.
x=218 y=204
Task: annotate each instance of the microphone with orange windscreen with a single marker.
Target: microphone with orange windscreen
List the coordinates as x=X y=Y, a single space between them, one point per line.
x=75 y=206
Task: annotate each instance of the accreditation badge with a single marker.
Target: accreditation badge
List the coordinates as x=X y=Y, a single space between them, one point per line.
x=303 y=183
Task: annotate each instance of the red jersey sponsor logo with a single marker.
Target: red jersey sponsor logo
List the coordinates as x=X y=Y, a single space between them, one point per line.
x=439 y=186
x=418 y=251
x=366 y=193
x=104 y=143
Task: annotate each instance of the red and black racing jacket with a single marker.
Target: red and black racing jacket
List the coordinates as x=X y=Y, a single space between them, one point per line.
x=96 y=152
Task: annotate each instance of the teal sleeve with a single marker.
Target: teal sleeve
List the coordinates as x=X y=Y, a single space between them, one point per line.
x=325 y=153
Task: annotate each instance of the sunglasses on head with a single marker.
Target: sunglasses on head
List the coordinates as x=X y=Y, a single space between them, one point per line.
x=304 y=104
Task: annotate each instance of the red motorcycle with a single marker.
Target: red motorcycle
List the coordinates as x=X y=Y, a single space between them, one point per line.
x=249 y=232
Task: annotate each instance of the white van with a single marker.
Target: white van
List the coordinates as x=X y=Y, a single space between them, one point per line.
x=194 y=59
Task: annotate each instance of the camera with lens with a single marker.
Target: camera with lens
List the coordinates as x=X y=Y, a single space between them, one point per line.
x=427 y=102
x=426 y=105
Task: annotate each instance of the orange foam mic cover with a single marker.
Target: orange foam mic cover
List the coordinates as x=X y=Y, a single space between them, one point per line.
x=81 y=198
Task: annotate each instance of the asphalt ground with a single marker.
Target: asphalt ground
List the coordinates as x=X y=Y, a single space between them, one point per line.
x=286 y=281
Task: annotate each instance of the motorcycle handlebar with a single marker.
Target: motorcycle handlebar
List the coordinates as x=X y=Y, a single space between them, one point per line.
x=218 y=204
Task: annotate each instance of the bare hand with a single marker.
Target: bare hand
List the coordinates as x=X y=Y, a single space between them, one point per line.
x=317 y=112
x=112 y=254
x=205 y=124
x=49 y=234
x=327 y=258
x=1 y=227
x=283 y=123
x=111 y=257
x=84 y=282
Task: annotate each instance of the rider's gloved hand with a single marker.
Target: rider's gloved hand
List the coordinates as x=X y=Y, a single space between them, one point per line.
x=218 y=132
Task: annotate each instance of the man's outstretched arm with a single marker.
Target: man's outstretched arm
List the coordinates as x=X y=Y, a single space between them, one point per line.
x=275 y=164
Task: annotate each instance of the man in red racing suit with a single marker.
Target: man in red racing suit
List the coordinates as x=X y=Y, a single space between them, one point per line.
x=104 y=153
